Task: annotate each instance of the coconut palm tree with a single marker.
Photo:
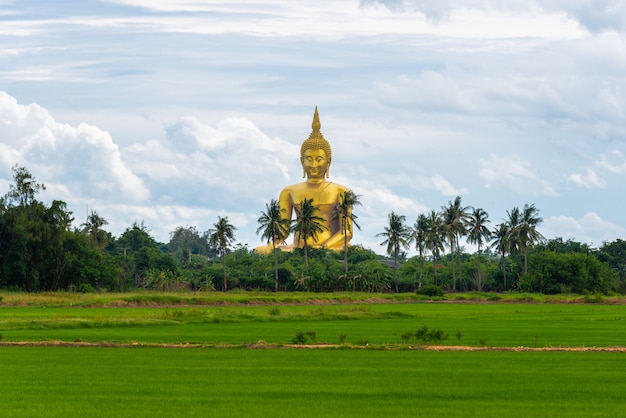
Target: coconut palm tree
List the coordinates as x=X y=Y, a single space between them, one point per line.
x=307 y=225
x=454 y=220
x=92 y=227
x=397 y=235
x=501 y=243
x=527 y=231
x=274 y=228
x=435 y=233
x=222 y=236
x=347 y=201
x=478 y=233
x=513 y=222
x=420 y=231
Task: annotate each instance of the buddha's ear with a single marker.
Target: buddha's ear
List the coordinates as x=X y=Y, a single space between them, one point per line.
x=302 y=164
x=328 y=168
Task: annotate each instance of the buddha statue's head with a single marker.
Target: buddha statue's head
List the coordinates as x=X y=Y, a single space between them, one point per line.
x=315 y=152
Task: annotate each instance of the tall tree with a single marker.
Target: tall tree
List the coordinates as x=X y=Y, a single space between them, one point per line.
x=187 y=241
x=222 y=236
x=347 y=201
x=435 y=234
x=501 y=243
x=93 y=227
x=136 y=237
x=454 y=220
x=274 y=228
x=25 y=188
x=513 y=223
x=478 y=233
x=420 y=231
x=527 y=232
x=307 y=225
x=396 y=235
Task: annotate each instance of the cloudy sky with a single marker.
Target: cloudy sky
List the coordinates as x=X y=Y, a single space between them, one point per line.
x=174 y=112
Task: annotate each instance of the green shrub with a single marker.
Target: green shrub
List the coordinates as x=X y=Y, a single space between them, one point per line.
x=274 y=311
x=431 y=290
x=593 y=298
x=426 y=334
x=86 y=288
x=302 y=337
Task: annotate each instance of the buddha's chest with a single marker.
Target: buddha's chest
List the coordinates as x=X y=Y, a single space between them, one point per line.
x=319 y=196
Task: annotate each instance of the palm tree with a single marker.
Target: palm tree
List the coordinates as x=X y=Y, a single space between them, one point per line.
x=501 y=244
x=397 y=235
x=435 y=232
x=420 y=231
x=454 y=220
x=347 y=201
x=274 y=228
x=513 y=222
x=477 y=234
x=92 y=227
x=221 y=237
x=307 y=225
x=527 y=232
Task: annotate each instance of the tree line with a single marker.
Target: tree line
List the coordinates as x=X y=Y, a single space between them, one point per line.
x=41 y=250
x=514 y=254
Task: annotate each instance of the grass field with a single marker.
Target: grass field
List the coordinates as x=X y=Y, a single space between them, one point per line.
x=372 y=368
x=472 y=324
x=55 y=381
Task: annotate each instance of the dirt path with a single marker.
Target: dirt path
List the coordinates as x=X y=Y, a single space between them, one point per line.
x=263 y=345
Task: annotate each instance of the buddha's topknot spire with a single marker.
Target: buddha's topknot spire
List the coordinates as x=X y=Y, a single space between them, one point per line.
x=316 y=134
x=316 y=125
x=316 y=140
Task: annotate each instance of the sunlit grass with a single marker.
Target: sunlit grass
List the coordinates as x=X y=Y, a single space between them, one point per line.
x=472 y=324
x=52 y=381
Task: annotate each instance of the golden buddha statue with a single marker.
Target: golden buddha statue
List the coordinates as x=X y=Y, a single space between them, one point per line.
x=316 y=156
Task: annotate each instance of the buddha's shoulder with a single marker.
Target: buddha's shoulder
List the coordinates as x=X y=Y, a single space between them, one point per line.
x=292 y=188
x=337 y=187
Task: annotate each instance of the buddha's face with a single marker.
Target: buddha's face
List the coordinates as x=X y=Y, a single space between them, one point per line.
x=315 y=163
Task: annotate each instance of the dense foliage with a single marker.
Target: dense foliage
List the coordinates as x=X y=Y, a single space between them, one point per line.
x=41 y=250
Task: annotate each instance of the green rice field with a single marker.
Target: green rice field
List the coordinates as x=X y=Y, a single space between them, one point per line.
x=472 y=324
x=62 y=381
x=362 y=358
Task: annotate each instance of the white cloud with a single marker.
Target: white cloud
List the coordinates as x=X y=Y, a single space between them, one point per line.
x=590 y=228
x=380 y=200
x=226 y=159
x=83 y=159
x=594 y=15
x=615 y=162
x=327 y=18
x=444 y=186
x=589 y=180
x=515 y=174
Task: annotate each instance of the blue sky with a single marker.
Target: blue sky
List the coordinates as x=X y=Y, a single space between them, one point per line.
x=173 y=113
